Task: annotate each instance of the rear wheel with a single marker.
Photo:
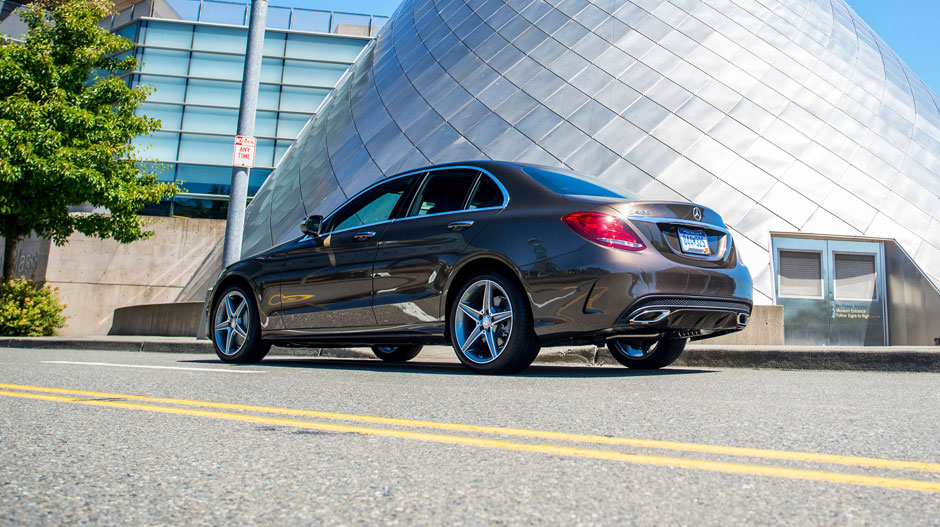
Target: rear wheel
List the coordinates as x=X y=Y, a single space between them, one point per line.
x=646 y=355
x=396 y=353
x=236 y=329
x=491 y=326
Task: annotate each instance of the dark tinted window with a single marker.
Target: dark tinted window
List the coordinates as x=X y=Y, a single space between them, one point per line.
x=487 y=194
x=374 y=206
x=564 y=182
x=443 y=192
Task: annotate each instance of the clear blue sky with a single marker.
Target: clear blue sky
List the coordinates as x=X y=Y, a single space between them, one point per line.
x=910 y=27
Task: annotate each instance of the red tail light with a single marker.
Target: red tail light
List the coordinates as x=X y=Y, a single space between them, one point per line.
x=604 y=229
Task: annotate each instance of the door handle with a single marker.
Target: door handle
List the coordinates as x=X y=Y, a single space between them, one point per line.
x=460 y=225
x=364 y=235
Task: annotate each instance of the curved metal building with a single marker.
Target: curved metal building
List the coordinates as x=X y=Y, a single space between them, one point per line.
x=789 y=117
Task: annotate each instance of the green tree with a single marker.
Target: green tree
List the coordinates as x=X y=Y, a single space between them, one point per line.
x=66 y=124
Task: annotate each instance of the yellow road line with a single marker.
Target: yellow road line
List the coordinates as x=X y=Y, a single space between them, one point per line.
x=809 y=457
x=714 y=466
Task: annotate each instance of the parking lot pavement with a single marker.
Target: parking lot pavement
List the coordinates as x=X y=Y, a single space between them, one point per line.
x=150 y=438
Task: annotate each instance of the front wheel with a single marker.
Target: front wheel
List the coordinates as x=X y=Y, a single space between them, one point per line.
x=236 y=328
x=491 y=325
x=396 y=353
x=646 y=355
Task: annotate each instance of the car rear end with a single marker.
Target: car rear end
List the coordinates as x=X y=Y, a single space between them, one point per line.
x=671 y=270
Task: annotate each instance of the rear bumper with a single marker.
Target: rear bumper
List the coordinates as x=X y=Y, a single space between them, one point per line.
x=599 y=293
x=685 y=316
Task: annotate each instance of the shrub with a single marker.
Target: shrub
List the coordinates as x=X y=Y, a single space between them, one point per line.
x=28 y=309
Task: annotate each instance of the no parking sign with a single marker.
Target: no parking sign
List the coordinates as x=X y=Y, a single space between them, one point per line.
x=244 y=151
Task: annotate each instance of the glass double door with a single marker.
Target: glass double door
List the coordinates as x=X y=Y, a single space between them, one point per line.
x=833 y=291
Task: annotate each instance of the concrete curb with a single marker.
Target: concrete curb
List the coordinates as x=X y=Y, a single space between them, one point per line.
x=896 y=359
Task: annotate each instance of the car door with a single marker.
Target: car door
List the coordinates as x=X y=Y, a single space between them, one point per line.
x=327 y=279
x=417 y=251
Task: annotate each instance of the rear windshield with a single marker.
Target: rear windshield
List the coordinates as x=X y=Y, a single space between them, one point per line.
x=565 y=182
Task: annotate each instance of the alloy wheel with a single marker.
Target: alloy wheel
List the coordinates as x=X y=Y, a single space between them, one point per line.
x=484 y=321
x=232 y=323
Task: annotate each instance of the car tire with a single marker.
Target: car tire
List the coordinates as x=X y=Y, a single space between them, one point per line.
x=236 y=327
x=660 y=354
x=490 y=325
x=396 y=353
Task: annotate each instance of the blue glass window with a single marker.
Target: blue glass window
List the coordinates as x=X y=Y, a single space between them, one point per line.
x=273 y=41
x=264 y=152
x=213 y=149
x=256 y=178
x=271 y=70
x=290 y=124
x=211 y=38
x=129 y=32
x=216 y=93
x=167 y=89
x=169 y=114
x=218 y=120
x=160 y=146
x=165 y=61
x=323 y=48
x=280 y=148
x=168 y=35
x=204 y=180
x=312 y=73
x=268 y=96
x=164 y=171
x=215 y=66
x=302 y=99
x=266 y=123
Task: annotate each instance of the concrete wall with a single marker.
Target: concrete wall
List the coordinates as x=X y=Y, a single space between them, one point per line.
x=764 y=329
x=95 y=276
x=180 y=319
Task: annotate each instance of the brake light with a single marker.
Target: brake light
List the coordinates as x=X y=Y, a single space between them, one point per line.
x=604 y=229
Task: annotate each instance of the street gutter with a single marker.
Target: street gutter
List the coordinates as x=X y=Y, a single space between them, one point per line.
x=882 y=358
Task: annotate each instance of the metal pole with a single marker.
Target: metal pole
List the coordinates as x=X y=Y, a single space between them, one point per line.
x=238 y=194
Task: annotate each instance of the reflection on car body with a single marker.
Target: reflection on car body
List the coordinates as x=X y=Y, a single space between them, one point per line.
x=497 y=259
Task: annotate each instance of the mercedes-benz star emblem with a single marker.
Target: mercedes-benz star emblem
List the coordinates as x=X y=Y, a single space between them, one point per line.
x=697 y=213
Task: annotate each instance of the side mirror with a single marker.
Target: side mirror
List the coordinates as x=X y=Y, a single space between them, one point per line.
x=311 y=226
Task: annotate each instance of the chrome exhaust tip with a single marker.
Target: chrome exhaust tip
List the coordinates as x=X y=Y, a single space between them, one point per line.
x=743 y=319
x=650 y=316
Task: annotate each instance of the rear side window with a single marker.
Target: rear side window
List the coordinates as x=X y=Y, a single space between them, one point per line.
x=565 y=182
x=443 y=192
x=487 y=194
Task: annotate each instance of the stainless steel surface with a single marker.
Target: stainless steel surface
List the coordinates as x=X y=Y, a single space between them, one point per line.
x=788 y=117
x=913 y=301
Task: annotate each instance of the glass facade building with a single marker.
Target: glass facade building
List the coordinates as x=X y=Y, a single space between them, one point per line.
x=791 y=118
x=192 y=53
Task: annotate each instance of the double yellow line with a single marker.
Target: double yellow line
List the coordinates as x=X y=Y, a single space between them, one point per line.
x=406 y=429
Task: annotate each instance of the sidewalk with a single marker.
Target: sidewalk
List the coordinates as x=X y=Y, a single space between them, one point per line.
x=857 y=358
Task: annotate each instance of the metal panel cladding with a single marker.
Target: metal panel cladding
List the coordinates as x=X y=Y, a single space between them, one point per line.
x=783 y=115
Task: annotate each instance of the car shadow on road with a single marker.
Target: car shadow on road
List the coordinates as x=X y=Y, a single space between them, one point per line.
x=447 y=368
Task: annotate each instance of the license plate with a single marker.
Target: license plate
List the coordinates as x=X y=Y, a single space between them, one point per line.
x=694 y=242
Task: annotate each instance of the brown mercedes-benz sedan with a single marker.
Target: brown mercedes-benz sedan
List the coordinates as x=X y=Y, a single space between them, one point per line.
x=497 y=259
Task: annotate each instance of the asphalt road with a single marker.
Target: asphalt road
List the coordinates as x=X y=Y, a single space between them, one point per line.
x=94 y=438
